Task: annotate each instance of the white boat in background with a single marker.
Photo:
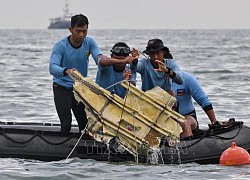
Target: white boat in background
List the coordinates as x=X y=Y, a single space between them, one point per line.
x=62 y=22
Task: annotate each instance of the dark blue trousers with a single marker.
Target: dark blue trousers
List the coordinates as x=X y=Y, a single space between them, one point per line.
x=65 y=102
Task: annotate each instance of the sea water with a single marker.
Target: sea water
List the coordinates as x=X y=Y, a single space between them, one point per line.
x=218 y=58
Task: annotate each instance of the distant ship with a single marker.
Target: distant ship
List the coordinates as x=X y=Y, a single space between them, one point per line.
x=61 y=22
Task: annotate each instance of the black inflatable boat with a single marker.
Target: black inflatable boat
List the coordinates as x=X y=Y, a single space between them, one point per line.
x=43 y=141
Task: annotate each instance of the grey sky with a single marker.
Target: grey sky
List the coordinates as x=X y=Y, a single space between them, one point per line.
x=130 y=13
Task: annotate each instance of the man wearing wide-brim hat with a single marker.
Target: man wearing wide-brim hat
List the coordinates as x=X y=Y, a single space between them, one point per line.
x=155 y=45
x=157 y=69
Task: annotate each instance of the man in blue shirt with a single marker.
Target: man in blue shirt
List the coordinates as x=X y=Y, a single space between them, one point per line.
x=155 y=70
x=111 y=71
x=185 y=93
x=68 y=54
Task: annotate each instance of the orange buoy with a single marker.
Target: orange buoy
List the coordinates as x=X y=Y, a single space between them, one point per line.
x=234 y=156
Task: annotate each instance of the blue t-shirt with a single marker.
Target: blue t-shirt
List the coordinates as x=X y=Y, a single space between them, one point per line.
x=64 y=55
x=189 y=90
x=107 y=76
x=151 y=78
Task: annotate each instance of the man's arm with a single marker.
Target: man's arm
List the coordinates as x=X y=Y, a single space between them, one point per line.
x=55 y=60
x=211 y=115
x=113 y=61
x=201 y=98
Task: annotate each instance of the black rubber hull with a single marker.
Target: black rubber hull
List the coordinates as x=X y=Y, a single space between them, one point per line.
x=45 y=142
x=208 y=147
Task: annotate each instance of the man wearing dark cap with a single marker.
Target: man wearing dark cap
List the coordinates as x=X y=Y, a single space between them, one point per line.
x=68 y=54
x=159 y=69
x=113 y=70
x=156 y=70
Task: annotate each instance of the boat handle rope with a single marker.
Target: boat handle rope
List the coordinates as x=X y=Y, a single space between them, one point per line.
x=216 y=136
x=225 y=138
x=82 y=133
x=35 y=135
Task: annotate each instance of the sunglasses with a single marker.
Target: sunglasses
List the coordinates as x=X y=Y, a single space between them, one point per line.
x=124 y=50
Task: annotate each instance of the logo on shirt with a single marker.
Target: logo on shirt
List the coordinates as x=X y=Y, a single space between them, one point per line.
x=180 y=92
x=87 y=53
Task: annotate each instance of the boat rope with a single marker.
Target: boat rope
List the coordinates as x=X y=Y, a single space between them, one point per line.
x=225 y=138
x=208 y=134
x=37 y=135
x=82 y=133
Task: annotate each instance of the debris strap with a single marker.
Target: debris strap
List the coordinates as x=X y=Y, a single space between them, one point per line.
x=125 y=99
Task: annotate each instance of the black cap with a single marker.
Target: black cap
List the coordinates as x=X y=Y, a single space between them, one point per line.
x=155 y=45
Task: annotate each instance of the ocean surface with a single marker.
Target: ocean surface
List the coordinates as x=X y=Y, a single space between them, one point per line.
x=220 y=59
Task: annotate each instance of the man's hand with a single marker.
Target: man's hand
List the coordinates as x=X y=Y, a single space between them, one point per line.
x=135 y=54
x=70 y=71
x=128 y=60
x=162 y=67
x=127 y=75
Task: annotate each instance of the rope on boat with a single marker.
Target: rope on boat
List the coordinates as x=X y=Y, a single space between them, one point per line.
x=82 y=133
x=225 y=138
x=36 y=135
x=206 y=133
